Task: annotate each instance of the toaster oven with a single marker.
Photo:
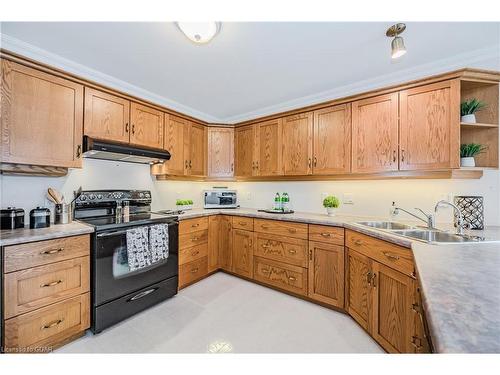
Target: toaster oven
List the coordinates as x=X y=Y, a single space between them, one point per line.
x=219 y=199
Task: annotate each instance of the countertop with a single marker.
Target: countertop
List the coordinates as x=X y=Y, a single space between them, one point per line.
x=23 y=235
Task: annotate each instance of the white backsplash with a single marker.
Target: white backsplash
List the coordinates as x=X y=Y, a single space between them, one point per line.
x=370 y=198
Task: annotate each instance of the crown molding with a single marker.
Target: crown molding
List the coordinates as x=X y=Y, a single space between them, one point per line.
x=22 y=48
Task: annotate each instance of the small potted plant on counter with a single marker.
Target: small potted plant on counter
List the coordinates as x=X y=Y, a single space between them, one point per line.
x=469 y=108
x=184 y=204
x=331 y=203
x=467 y=153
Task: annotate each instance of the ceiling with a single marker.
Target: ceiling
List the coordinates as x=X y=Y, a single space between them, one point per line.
x=251 y=69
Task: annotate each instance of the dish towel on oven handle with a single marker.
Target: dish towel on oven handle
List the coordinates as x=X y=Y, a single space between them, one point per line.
x=138 y=252
x=158 y=242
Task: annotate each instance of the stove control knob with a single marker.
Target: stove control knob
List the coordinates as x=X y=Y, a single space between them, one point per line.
x=92 y=196
x=141 y=195
x=83 y=197
x=147 y=195
x=99 y=196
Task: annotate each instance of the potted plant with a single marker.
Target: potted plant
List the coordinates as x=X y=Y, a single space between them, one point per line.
x=184 y=204
x=469 y=108
x=331 y=203
x=467 y=153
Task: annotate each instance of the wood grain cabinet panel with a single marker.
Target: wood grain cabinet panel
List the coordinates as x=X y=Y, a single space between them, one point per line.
x=220 y=152
x=226 y=243
x=328 y=234
x=244 y=146
x=174 y=143
x=214 y=242
x=146 y=126
x=358 y=289
x=297 y=144
x=241 y=222
x=281 y=228
x=41 y=118
x=375 y=134
x=192 y=271
x=192 y=225
x=242 y=258
x=195 y=149
x=189 y=254
x=420 y=340
x=281 y=275
x=191 y=239
x=106 y=116
x=429 y=126
x=268 y=148
x=280 y=248
x=332 y=140
x=326 y=273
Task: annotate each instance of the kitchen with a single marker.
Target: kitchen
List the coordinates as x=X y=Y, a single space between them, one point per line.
x=355 y=207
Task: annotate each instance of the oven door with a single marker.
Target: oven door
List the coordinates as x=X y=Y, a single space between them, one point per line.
x=112 y=277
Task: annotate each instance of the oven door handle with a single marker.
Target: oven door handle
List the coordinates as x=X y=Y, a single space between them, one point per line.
x=142 y=294
x=117 y=232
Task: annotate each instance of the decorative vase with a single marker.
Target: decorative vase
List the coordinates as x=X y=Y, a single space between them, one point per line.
x=330 y=211
x=467 y=162
x=184 y=207
x=469 y=118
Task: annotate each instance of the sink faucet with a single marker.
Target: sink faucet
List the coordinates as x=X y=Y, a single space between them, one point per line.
x=460 y=219
x=429 y=218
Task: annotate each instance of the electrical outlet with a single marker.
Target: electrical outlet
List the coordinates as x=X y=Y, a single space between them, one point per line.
x=348 y=198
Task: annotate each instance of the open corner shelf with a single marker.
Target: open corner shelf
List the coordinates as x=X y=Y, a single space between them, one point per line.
x=477 y=125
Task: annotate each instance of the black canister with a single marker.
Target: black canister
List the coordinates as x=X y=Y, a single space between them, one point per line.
x=12 y=218
x=39 y=218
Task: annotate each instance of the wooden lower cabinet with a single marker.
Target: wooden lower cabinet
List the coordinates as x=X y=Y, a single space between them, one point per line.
x=226 y=243
x=357 y=279
x=214 y=240
x=193 y=250
x=192 y=271
x=242 y=254
x=281 y=275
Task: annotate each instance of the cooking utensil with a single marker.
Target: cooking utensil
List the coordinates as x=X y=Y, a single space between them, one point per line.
x=56 y=195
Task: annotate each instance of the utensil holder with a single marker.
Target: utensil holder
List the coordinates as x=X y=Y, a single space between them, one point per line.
x=63 y=214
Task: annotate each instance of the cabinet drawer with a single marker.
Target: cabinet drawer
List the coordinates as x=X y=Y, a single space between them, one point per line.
x=33 y=288
x=283 y=249
x=325 y=233
x=189 y=254
x=393 y=256
x=192 y=239
x=186 y=226
x=245 y=223
x=192 y=271
x=281 y=275
x=281 y=228
x=18 y=257
x=45 y=328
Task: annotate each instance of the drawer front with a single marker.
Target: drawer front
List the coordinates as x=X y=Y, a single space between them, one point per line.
x=31 y=289
x=327 y=234
x=393 y=256
x=189 y=254
x=281 y=228
x=280 y=275
x=191 y=225
x=282 y=249
x=245 y=223
x=45 y=328
x=192 y=271
x=192 y=239
x=28 y=255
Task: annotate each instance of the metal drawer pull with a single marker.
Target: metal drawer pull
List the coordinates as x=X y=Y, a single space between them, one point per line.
x=142 y=294
x=53 y=324
x=414 y=340
x=291 y=278
x=373 y=280
x=358 y=242
x=264 y=226
x=265 y=246
x=292 y=230
x=369 y=278
x=292 y=251
x=242 y=223
x=194 y=239
x=391 y=256
x=195 y=253
x=326 y=234
x=265 y=270
x=53 y=251
x=53 y=283
x=194 y=270
x=195 y=225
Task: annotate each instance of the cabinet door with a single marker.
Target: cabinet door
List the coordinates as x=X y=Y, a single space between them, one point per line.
x=243 y=252
x=220 y=152
x=147 y=126
x=174 y=143
x=375 y=134
x=326 y=273
x=358 y=288
x=420 y=339
x=195 y=149
x=106 y=116
x=226 y=243
x=297 y=145
x=430 y=126
x=332 y=140
x=269 y=148
x=392 y=317
x=244 y=145
x=214 y=242
x=41 y=118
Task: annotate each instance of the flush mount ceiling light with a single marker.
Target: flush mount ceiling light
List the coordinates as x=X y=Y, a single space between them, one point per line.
x=199 y=32
x=397 y=44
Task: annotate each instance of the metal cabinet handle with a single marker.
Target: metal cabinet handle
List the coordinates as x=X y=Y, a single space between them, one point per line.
x=265 y=246
x=369 y=278
x=53 y=251
x=133 y=128
x=194 y=270
x=310 y=255
x=315 y=161
x=250 y=243
x=195 y=225
x=309 y=163
x=126 y=127
x=52 y=324
x=374 y=276
x=326 y=234
x=292 y=230
x=292 y=251
x=190 y=166
x=265 y=270
x=394 y=156
x=53 y=283
x=78 y=151
x=194 y=253
x=291 y=278
x=391 y=256
x=403 y=155
x=358 y=242
x=416 y=342
x=257 y=164
x=142 y=294
x=186 y=164
x=253 y=165
x=242 y=223
x=232 y=167
x=194 y=239
x=264 y=226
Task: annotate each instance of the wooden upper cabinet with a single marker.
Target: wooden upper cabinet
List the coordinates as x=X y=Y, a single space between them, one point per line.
x=297 y=144
x=106 y=116
x=242 y=258
x=430 y=126
x=41 y=118
x=375 y=134
x=332 y=140
x=244 y=144
x=146 y=126
x=220 y=152
x=195 y=149
x=174 y=143
x=268 y=148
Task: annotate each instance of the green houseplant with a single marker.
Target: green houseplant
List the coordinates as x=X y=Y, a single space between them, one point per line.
x=184 y=204
x=468 y=109
x=331 y=203
x=467 y=153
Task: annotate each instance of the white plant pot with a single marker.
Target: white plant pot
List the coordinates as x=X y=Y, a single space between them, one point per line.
x=330 y=211
x=469 y=118
x=184 y=207
x=467 y=162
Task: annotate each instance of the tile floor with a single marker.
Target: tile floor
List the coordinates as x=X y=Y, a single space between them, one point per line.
x=226 y=314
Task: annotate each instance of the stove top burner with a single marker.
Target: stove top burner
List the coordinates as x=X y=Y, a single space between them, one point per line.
x=110 y=222
x=169 y=212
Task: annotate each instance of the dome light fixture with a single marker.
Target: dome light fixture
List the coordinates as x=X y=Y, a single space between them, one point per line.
x=397 y=45
x=199 y=32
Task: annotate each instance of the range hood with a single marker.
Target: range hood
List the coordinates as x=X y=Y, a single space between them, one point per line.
x=108 y=150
